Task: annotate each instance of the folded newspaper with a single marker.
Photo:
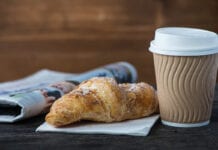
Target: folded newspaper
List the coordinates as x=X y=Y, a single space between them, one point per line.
x=34 y=94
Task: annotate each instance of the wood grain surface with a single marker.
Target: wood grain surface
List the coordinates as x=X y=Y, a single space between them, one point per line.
x=78 y=35
x=22 y=136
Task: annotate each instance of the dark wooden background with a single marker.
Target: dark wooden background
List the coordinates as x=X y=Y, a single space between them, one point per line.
x=77 y=35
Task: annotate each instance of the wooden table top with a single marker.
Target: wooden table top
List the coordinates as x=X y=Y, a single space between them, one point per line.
x=22 y=135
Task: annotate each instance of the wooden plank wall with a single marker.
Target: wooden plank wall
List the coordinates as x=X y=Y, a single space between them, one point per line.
x=77 y=35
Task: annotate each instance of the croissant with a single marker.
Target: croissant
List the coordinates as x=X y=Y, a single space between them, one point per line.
x=102 y=99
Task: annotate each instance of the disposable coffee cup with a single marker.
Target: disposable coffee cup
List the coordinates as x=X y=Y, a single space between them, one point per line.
x=186 y=63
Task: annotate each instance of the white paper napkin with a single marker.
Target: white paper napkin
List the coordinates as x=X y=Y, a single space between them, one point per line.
x=137 y=127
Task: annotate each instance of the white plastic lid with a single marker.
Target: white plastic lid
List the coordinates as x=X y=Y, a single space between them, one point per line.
x=178 y=41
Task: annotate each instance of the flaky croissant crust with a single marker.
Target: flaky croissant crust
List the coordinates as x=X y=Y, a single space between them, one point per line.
x=102 y=99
